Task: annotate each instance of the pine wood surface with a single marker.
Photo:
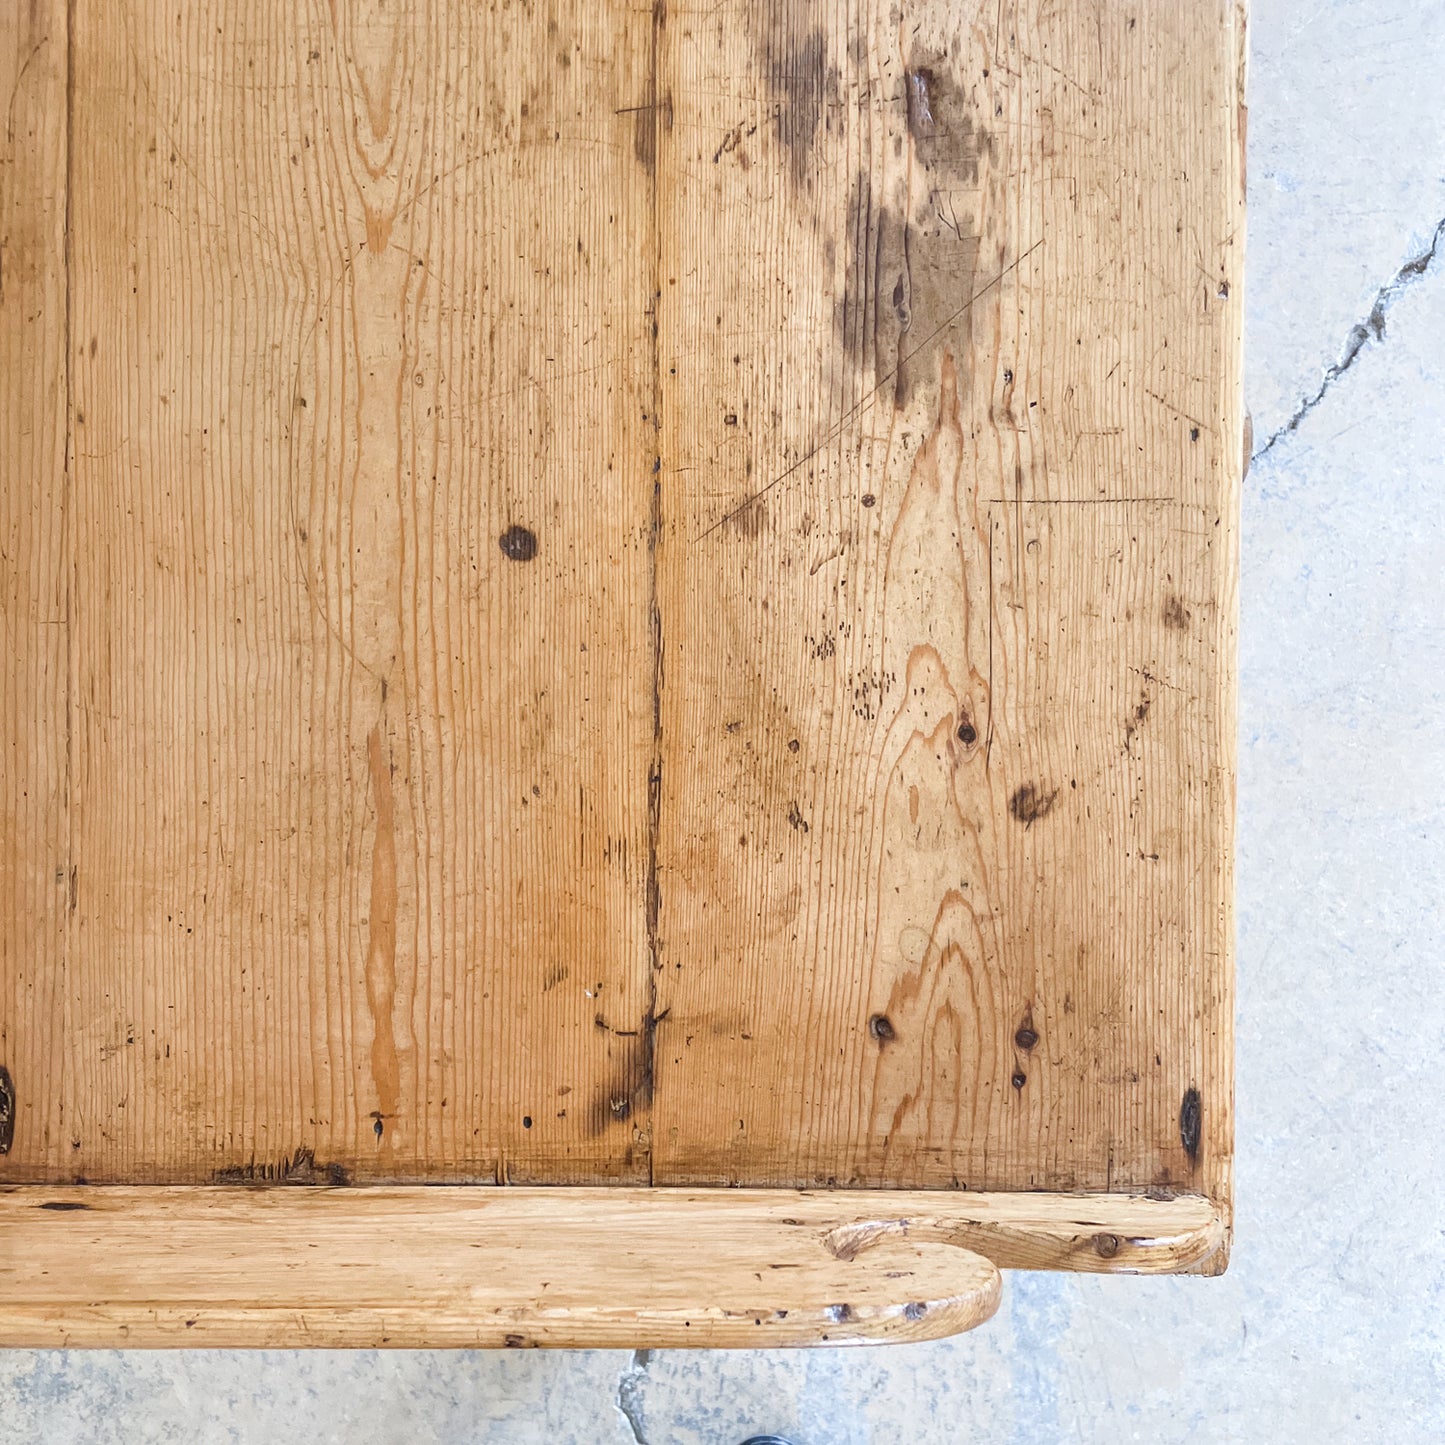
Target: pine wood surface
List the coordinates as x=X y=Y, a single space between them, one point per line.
x=595 y=593
x=643 y=1268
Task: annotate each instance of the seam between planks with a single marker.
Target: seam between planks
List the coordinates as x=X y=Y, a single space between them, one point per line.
x=67 y=544
x=652 y=903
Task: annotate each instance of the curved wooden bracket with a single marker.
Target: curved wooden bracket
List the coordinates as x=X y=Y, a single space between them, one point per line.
x=483 y=1267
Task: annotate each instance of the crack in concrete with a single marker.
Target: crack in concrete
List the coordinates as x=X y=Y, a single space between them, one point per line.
x=629 y=1394
x=1372 y=328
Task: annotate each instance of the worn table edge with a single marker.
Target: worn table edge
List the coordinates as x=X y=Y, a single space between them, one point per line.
x=417 y=1266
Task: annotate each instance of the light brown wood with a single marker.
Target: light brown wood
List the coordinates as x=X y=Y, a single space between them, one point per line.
x=35 y=574
x=351 y=295
x=647 y=1268
x=634 y=595
x=949 y=595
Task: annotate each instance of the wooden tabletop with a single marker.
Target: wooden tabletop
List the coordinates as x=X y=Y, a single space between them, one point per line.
x=595 y=594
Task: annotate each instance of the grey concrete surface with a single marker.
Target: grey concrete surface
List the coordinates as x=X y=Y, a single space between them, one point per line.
x=1329 y=1325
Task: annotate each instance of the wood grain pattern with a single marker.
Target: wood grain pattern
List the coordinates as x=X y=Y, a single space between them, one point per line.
x=620 y=594
x=949 y=595
x=191 y=1266
x=352 y=296
x=36 y=881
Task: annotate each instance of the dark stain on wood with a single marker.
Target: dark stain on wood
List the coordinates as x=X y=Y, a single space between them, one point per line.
x=732 y=142
x=868 y=320
x=1191 y=1123
x=298 y=1168
x=613 y=1103
x=644 y=137
x=920 y=102
x=7 y=1110
x=63 y=1206
x=1030 y=803
x=793 y=54
x=1134 y=723
x=631 y=1084
x=654 y=114
x=751 y=520
x=912 y=255
x=1176 y=615
x=519 y=544
x=942 y=120
x=650 y=119
x=938 y=275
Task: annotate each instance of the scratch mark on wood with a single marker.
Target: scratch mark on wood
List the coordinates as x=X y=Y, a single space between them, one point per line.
x=861 y=406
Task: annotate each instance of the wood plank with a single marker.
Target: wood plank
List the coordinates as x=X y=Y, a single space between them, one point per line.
x=36 y=880
x=952 y=441
x=362 y=660
x=474 y=1267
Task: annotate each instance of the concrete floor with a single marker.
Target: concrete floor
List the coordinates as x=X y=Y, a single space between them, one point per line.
x=1331 y=1322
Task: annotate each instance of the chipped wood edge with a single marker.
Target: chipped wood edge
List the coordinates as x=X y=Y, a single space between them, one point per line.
x=478 y=1267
